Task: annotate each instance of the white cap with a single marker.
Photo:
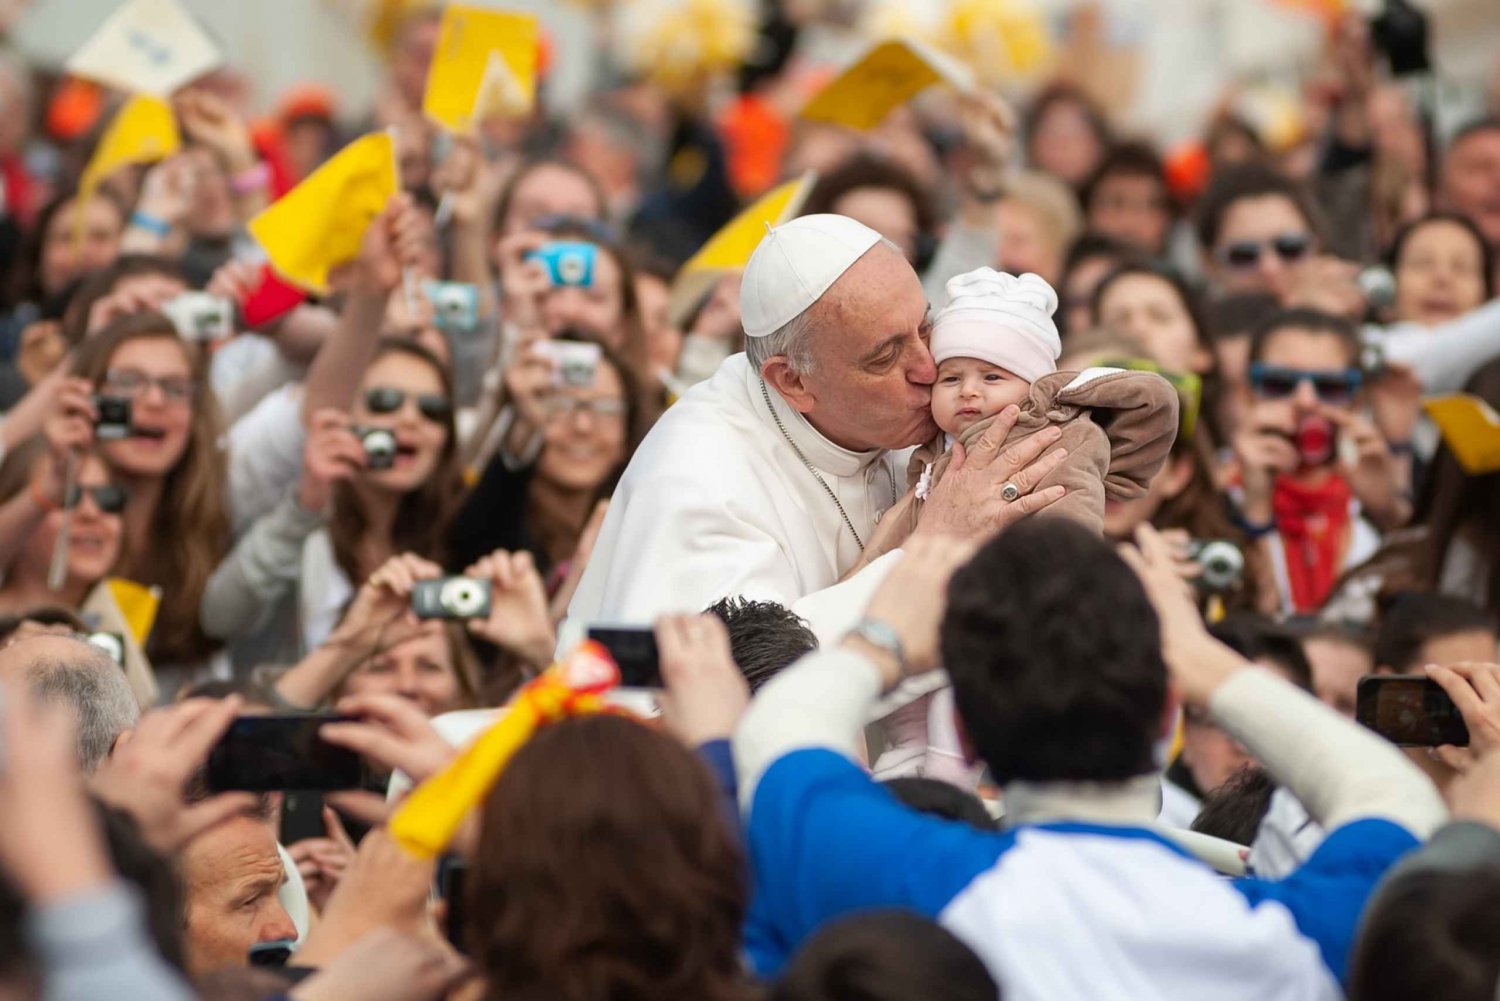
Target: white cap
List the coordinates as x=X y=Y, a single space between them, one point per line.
x=794 y=264
x=1001 y=319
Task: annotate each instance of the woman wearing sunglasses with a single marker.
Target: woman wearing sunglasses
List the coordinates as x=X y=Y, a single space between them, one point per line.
x=383 y=478
x=34 y=503
x=1316 y=480
x=146 y=408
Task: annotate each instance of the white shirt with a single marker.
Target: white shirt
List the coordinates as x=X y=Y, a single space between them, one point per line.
x=716 y=503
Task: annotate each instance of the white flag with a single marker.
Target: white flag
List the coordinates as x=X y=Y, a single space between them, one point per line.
x=150 y=46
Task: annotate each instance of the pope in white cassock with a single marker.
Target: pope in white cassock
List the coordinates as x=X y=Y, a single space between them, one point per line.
x=767 y=480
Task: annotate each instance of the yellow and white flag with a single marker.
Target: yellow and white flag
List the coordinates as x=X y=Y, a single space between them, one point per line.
x=147 y=46
x=888 y=75
x=319 y=224
x=484 y=65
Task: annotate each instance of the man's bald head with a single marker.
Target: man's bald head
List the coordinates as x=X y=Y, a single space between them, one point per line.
x=81 y=676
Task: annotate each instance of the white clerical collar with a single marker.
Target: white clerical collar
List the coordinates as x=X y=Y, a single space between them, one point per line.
x=1135 y=801
x=821 y=452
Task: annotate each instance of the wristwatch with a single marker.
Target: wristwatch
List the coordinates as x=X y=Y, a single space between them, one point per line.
x=881 y=636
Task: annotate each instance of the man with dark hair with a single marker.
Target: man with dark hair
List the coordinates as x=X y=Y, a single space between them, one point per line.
x=764 y=637
x=1255 y=225
x=1315 y=514
x=1060 y=669
x=1127 y=197
x=1470 y=181
x=1417 y=629
x=231 y=877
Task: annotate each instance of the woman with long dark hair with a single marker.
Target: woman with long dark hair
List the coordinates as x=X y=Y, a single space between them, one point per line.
x=384 y=478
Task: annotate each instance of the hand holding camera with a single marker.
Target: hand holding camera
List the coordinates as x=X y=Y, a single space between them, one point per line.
x=1266 y=447
x=1375 y=474
x=518 y=618
x=333 y=454
x=523 y=282
x=381 y=612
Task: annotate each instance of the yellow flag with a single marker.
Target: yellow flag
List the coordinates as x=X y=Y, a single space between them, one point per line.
x=137 y=603
x=144 y=130
x=730 y=248
x=484 y=65
x=886 y=77
x=318 y=225
x=426 y=821
x=1471 y=430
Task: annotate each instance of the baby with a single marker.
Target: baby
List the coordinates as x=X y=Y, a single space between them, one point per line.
x=995 y=344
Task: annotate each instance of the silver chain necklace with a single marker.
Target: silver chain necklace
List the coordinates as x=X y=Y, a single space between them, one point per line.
x=766 y=394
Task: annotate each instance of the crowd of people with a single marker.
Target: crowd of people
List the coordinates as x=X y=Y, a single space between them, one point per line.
x=1016 y=525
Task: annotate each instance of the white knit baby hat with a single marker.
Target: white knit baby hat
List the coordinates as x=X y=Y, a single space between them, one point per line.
x=1001 y=319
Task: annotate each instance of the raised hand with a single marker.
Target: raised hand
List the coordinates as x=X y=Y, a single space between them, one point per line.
x=705 y=693
x=147 y=772
x=519 y=618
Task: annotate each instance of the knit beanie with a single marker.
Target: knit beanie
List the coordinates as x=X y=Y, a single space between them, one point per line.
x=1001 y=319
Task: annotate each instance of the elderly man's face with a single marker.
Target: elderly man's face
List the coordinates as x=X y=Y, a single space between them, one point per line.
x=231 y=876
x=871 y=383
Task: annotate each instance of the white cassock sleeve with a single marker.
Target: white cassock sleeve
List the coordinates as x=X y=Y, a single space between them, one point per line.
x=668 y=545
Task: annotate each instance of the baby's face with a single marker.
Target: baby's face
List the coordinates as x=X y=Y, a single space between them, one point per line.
x=969 y=390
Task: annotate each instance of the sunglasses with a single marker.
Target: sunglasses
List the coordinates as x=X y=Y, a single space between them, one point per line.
x=1243 y=254
x=387 y=400
x=1188 y=385
x=110 y=497
x=1274 y=382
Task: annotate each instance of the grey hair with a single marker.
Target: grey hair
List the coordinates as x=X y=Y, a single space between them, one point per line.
x=94 y=688
x=793 y=339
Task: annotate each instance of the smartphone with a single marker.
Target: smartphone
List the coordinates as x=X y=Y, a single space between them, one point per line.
x=272 y=955
x=452 y=883
x=276 y=753
x=634 y=651
x=451 y=598
x=1410 y=711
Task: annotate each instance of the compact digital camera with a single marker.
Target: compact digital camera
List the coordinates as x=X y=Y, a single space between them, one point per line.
x=1222 y=563
x=380 y=446
x=451 y=598
x=115 y=418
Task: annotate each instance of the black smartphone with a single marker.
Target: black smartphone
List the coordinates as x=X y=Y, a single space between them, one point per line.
x=452 y=876
x=272 y=955
x=277 y=753
x=1411 y=711
x=634 y=651
x=302 y=817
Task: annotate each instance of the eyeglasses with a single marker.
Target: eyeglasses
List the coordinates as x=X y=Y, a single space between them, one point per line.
x=558 y=407
x=1275 y=382
x=1244 y=254
x=133 y=383
x=387 y=400
x=1188 y=385
x=110 y=497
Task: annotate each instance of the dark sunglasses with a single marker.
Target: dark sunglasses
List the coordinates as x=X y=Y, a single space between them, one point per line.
x=1273 y=382
x=387 y=400
x=1246 y=253
x=110 y=497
